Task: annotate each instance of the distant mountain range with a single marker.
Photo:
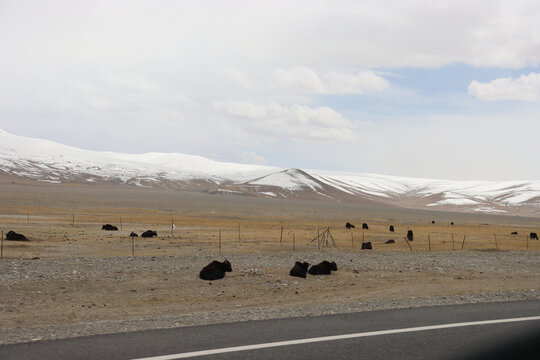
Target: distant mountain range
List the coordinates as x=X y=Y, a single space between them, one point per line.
x=47 y=161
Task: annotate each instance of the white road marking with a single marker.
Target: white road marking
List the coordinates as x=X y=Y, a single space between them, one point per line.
x=335 y=337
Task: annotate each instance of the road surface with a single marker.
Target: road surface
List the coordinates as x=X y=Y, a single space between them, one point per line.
x=493 y=330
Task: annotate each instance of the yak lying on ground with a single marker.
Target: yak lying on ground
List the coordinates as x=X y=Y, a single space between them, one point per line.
x=513 y=233
x=215 y=270
x=109 y=227
x=364 y=226
x=391 y=241
x=149 y=233
x=349 y=226
x=299 y=269
x=323 y=268
x=13 y=236
x=367 y=245
x=133 y=234
x=533 y=236
x=410 y=235
x=391 y=228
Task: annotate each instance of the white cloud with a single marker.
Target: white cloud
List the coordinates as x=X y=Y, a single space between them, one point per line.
x=296 y=122
x=249 y=157
x=525 y=88
x=339 y=83
x=304 y=79
x=132 y=81
x=237 y=76
x=301 y=79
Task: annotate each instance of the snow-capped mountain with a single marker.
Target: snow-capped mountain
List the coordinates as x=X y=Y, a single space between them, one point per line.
x=48 y=161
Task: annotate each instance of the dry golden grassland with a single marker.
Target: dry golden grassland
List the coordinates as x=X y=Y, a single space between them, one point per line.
x=200 y=232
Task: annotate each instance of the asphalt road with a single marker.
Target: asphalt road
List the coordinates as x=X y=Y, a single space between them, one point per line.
x=516 y=339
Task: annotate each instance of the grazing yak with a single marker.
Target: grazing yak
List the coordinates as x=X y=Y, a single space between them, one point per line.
x=533 y=236
x=109 y=227
x=367 y=245
x=364 y=226
x=391 y=228
x=299 y=269
x=433 y=221
x=452 y=223
x=149 y=233
x=349 y=226
x=410 y=235
x=323 y=268
x=13 y=236
x=391 y=241
x=133 y=234
x=215 y=270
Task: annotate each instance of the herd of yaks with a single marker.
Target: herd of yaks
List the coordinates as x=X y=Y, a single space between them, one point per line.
x=216 y=270
x=12 y=235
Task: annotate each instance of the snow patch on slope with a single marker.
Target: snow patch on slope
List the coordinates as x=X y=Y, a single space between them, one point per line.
x=290 y=179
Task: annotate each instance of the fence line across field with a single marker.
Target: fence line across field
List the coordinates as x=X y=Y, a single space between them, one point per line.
x=326 y=238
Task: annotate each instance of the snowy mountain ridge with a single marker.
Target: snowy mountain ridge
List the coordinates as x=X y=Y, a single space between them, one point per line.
x=48 y=161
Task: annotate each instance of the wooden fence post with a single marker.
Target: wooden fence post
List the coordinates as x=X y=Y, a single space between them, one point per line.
x=496 y=246
x=2 y=245
x=239 y=236
x=453 y=247
x=352 y=241
x=73 y=220
x=219 y=242
x=281 y=236
x=429 y=242
x=293 y=243
x=407 y=241
x=132 y=246
x=463 y=243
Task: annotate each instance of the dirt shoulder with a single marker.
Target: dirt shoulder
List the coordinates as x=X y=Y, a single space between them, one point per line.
x=62 y=297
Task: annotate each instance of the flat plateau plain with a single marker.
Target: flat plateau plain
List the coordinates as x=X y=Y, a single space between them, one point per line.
x=72 y=278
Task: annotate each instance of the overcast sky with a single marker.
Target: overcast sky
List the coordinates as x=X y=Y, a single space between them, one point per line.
x=438 y=89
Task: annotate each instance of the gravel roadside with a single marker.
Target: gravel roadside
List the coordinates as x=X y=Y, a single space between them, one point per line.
x=71 y=270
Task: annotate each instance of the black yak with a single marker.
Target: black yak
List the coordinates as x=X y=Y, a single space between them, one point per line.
x=433 y=221
x=349 y=226
x=13 y=236
x=299 y=269
x=513 y=233
x=364 y=226
x=133 y=234
x=452 y=223
x=109 y=227
x=533 y=236
x=323 y=268
x=215 y=270
x=410 y=235
x=391 y=241
x=149 y=233
x=391 y=228
x=367 y=246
